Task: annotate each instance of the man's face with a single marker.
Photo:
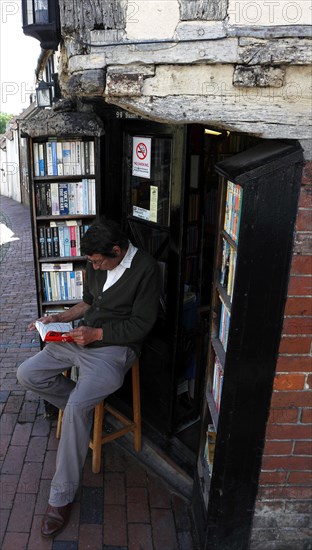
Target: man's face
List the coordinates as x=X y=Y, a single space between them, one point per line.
x=99 y=261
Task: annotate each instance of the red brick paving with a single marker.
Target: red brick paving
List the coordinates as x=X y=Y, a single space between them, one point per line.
x=137 y=510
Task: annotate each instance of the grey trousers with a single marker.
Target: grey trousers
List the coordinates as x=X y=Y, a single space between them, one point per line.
x=101 y=372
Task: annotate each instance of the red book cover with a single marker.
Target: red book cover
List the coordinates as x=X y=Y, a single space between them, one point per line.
x=73 y=242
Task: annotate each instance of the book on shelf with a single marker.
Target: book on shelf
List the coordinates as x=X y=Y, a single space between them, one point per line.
x=210 y=445
x=36 y=159
x=66 y=158
x=55 y=242
x=224 y=326
x=63 y=198
x=66 y=237
x=62 y=284
x=59 y=158
x=54 y=332
x=49 y=158
x=231 y=274
x=57 y=266
x=233 y=205
x=228 y=266
x=217 y=383
x=87 y=157
x=42 y=159
x=38 y=198
x=225 y=262
x=48 y=198
x=73 y=240
x=55 y=199
x=42 y=242
x=73 y=165
x=91 y=156
x=48 y=233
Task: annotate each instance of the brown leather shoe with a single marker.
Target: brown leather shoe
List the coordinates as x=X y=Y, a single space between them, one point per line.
x=55 y=519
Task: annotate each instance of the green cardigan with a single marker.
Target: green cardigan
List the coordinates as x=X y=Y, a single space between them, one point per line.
x=127 y=310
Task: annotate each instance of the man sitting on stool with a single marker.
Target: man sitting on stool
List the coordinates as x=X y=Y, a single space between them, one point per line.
x=118 y=310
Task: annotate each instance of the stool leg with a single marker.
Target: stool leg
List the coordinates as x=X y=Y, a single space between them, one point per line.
x=97 y=438
x=136 y=405
x=59 y=424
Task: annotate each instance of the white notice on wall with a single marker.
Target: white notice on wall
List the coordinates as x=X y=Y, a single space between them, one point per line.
x=153 y=203
x=141 y=213
x=141 y=157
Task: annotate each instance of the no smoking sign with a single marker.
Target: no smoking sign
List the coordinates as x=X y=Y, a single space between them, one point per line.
x=141 y=153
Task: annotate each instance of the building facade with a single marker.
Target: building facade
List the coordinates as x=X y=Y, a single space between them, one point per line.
x=231 y=66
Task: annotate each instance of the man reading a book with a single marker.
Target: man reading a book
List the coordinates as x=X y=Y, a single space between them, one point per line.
x=118 y=310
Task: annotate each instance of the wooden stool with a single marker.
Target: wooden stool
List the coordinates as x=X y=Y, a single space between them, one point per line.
x=128 y=425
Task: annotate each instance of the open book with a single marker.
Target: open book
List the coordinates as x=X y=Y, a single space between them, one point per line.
x=54 y=332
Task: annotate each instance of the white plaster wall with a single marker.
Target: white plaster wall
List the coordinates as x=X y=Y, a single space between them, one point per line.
x=10 y=177
x=4 y=186
x=190 y=80
x=152 y=19
x=216 y=82
x=269 y=12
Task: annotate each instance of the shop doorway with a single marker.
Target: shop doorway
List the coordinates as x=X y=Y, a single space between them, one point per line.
x=170 y=209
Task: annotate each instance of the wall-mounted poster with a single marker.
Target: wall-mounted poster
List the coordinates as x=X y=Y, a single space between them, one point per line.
x=153 y=203
x=141 y=157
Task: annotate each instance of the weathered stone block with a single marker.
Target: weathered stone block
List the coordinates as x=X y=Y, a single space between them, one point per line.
x=256 y=51
x=134 y=68
x=86 y=84
x=258 y=76
x=51 y=123
x=199 y=30
x=85 y=62
x=124 y=84
x=181 y=53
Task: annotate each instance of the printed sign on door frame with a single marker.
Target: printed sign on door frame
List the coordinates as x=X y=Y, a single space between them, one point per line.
x=141 y=157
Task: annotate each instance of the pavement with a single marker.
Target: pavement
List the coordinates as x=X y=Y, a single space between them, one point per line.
x=130 y=505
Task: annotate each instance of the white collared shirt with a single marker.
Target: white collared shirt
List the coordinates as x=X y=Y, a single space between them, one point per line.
x=114 y=275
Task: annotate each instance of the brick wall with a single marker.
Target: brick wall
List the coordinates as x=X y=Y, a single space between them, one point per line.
x=283 y=507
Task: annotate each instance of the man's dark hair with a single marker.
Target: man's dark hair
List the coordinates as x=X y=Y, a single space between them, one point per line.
x=101 y=237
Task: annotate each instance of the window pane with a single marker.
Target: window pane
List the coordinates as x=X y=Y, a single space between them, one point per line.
x=149 y=175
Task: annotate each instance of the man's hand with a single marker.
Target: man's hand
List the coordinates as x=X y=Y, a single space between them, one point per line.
x=86 y=335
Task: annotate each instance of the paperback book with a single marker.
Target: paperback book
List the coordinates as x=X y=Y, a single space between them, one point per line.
x=54 y=332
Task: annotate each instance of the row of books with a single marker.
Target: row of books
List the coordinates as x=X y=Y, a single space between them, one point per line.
x=61 y=199
x=62 y=285
x=191 y=270
x=233 y=206
x=61 y=238
x=192 y=240
x=210 y=206
x=194 y=207
x=228 y=267
x=217 y=383
x=224 y=326
x=63 y=158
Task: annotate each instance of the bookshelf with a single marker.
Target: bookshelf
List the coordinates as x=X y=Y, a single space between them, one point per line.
x=65 y=199
x=258 y=193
